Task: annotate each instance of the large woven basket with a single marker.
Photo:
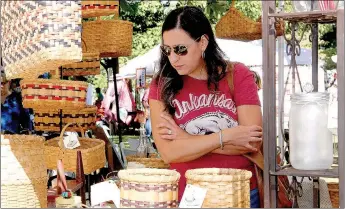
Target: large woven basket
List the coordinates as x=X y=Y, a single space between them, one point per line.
x=49 y=119
x=226 y=188
x=149 y=188
x=39 y=36
x=23 y=172
x=333 y=188
x=99 y=8
x=236 y=26
x=92 y=151
x=55 y=94
x=152 y=162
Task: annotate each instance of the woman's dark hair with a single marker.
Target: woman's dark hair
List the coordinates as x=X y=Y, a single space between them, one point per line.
x=193 y=21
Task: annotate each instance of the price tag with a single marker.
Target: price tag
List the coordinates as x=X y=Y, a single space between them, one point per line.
x=71 y=140
x=193 y=197
x=104 y=192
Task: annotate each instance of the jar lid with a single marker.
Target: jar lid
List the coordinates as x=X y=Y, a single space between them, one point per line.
x=310 y=97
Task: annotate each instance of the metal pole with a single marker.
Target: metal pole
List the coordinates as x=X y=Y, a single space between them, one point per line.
x=315 y=55
x=114 y=63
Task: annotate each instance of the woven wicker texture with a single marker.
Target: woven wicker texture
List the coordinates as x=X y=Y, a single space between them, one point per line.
x=90 y=65
x=39 y=36
x=23 y=172
x=235 y=26
x=92 y=151
x=49 y=119
x=99 y=8
x=226 y=188
x=333 y=188
x=145 y=188
x=152 y=162
x=56 y=94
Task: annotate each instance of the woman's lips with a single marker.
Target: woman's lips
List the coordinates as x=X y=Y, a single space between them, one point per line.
x=178 y=66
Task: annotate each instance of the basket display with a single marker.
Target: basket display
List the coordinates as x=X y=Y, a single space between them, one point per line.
x=152 y=162
x=149 y=188
x=89 y=66
x=39 y=36
x=236 y=26
x=226 y=188
x=49 y=119
x=23 y=172
x=333 y=188
x=99 y=8
x=92 y=151
x=43 y=93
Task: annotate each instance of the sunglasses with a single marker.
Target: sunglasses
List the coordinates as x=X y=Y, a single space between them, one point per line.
x=180 y=50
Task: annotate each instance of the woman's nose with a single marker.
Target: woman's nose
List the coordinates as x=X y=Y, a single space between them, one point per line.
x=174 y=57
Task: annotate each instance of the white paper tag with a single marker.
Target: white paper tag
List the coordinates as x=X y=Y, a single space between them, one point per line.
x=105 y=191
x=71 y=140
x=193 y=197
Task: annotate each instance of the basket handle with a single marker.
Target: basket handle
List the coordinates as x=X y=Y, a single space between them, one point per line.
x=232 y=4
x=64 y=130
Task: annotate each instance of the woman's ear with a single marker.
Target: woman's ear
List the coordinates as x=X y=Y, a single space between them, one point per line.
x=204 y=42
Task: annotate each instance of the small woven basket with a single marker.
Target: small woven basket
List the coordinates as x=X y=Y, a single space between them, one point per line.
x=333 y=188
x=151 y=162
x=23 y=172
x=39 y=36
x=92 y=151
x=149 y=188
x=49 y=119
x=88 y=66
x=235 y=26
x=99 y=8
x=55 y=94
x=226 y=188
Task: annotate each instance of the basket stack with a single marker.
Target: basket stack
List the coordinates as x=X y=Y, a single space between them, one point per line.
x=149 y=188
x=23 y=172
x=226 y=188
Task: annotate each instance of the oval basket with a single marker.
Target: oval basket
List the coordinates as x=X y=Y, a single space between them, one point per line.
x=226 y=188
x=149 y=188
x=23 y=172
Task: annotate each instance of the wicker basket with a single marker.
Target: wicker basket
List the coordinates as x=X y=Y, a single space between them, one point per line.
x=49 y=119
x=39 y=36
x=149 y=188
x=152 y=162
x=92 y=151
x=99 y=8
x=235 y=26
x=23 y=172
x=57 y=94
x=333 y=188
x=226 y=188
x=90 y=65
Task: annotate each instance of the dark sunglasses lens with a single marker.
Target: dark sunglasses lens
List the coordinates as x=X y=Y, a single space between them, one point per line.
x=180 y=50
x=166 y=50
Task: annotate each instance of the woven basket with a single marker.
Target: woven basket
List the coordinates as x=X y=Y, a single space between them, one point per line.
x=92 y=151
x=49 y=119
x=149 y=188
x=333 y=188
x=226 y=188
x=152 y=162
x=99 y=8
x=90 y=65
x=56 y=94
x=23 y=172
x=235 y=26
x=39 y=36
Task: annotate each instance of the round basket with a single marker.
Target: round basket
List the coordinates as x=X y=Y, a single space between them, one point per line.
x=23 y=172
x=333 y=188
x=99 y=8
x=226 y=188
x=92 y=151
x=152 y=162
x=149 y=188
x=49 y=119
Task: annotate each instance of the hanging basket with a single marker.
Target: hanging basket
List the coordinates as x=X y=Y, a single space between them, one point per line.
x=55 y=94
x=39 y=36
x=92 y=151
x=236 y=26
x=149 y=188
x=49 y=119
x=23 y=172
x=226 y=188
x=99 y=8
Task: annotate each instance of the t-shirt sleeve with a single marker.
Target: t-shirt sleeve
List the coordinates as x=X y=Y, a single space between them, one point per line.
x=245 y=88
x=154 y=90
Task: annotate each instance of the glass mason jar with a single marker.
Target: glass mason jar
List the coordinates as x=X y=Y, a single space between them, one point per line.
x=311 y=146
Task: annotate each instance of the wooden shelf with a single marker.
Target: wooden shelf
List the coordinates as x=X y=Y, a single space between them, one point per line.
x=290 y=171
x=308 y=17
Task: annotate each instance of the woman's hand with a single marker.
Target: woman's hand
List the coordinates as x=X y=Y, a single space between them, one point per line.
x=243 y=136
x=168 y=129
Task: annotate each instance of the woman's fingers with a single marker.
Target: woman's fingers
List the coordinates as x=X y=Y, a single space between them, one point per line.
x=168 y=118
x=165 y=131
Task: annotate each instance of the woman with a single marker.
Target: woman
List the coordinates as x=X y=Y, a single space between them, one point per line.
x=198 y=122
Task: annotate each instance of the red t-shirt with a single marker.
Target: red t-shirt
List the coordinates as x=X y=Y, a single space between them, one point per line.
x=199 y=112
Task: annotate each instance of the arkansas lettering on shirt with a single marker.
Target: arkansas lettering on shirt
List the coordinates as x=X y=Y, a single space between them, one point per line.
x=200 y=111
